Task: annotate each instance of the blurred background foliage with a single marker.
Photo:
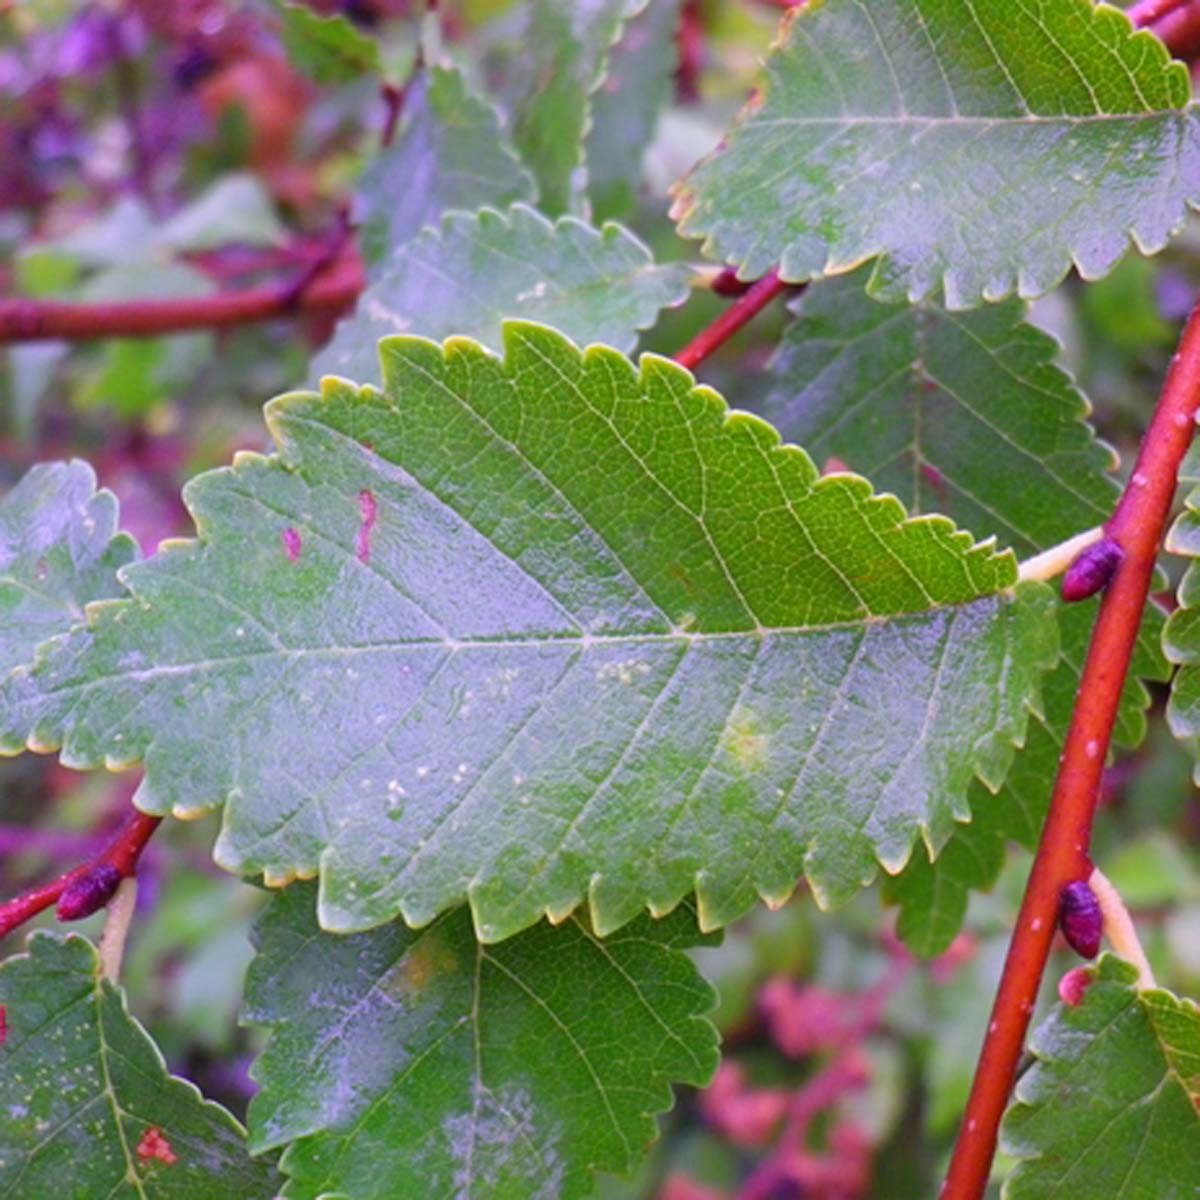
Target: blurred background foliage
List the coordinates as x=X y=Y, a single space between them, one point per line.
x=152 y=150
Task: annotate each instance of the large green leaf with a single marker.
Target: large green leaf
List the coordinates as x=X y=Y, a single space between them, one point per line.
x=59 y=550
x=596 y=285
x=449 y=152
x=1110 y=1106
x=406 y=1062
x=625 y=111
x=565 y=50
x=531 y=630
x=979 y=148
x=965 y=414
x=83 y=1087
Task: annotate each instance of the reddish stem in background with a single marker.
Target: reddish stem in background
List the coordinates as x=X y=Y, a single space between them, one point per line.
x=1176 y=23
x=122 y=852
x=731 y=320
x=1062 y=856
x=334 y=290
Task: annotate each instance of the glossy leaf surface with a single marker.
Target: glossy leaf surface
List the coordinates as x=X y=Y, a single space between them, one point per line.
x=407 y=1061
x=1110 y=1107
x=980 y=148
x=90 y=1110
x=531 y=630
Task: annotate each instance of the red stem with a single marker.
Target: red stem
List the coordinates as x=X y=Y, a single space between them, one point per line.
x=1176 y=23
x=1062 y=856
x=731 y=320
x=122 y=852
x=39 y=320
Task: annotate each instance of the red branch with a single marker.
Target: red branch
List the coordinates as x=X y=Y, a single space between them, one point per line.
x=1062 y=857
x=1176 y=23
x=122 y=852
x=731 y=320
x=38 y=320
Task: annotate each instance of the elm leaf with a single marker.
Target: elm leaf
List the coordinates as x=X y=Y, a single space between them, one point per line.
x=564 y=58
x=963 y=413
x=531 y=630
x=449 y=152
x=407 y=1061
x=90 y=1109
x=1111 y=1105
x=979 y=148
x=479 y=269
x=59 y=550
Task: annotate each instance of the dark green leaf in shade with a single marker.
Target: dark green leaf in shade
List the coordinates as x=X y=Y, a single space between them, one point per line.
x=82 y=1086
x=979 y=148
x=404 y=1062
x=547 y=628
x=965 y=414
x=449 y=152
x=1110 y=1106
x=59 y=550
x=595 y=285
x=625 y=111
x=565 y=50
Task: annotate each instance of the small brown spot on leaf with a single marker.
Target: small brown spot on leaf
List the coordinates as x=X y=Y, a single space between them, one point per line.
x=292 y=543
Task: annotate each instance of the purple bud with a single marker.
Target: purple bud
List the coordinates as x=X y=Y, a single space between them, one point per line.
x=1080 y=919
x=88 y=893
x=1091 y=570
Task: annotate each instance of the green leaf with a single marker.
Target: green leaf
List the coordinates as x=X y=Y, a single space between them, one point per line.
x=933 y=895
x=328 y=49
x=1110 y=1106
x=625 y=111
x=979 y=150
x=81 y=1084
x=965 y=414
x=565 y=48
x=543 y=629
x=402 y=1062
x=595 y=285
x=961 y=413
x=1181 y=637
x=59 y=550
x=450 y=152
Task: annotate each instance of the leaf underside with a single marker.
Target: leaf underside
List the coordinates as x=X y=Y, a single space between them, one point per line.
x=82 y=1084
x=978 y=148
x=1181 y=637
x=531 y=630
x=406 y=1062
x=1110 y=1106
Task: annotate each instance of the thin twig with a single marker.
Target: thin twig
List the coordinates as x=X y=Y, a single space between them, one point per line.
x=1062 y=856
x=731 y=320
x=335 y=290
x=122 y=852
